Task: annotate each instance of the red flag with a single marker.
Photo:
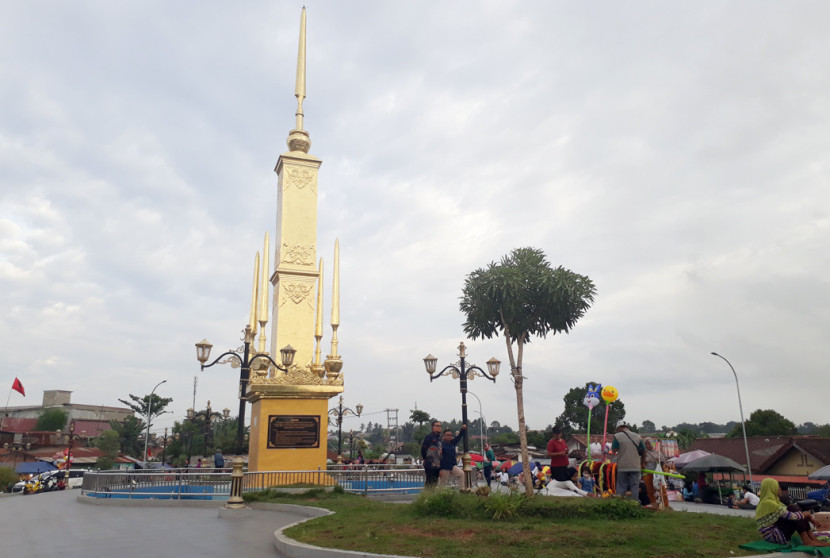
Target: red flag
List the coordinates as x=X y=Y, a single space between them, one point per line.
x=18 y=387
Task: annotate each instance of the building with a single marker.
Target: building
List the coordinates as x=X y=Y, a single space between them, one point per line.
x=787 y=459
x=90 y=420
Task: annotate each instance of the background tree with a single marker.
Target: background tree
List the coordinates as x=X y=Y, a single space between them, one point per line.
x=419 y=416
x=574 y=417
x=7 y=477
x=141 y=406
x=110 y=444
x=129 y=431
x=523 y=296
x=765 y=423
x=648 y=426
x=51 y=419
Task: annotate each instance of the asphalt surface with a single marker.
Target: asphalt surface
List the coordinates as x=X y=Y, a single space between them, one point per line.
x=55 y=524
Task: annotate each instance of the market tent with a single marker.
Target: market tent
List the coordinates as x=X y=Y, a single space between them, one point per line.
x=712 y=463
x=688 y=457
x=33 y=467
x=821 y=474
x=519 y=467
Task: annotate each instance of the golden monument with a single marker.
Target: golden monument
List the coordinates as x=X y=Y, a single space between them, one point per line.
x=289 y=418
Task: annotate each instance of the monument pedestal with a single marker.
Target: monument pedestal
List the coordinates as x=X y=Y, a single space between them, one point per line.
x=289 y=426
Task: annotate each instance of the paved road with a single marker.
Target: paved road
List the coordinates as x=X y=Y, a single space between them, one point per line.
x=55 y=524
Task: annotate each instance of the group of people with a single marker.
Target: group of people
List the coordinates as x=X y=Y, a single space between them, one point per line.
x=439 y=456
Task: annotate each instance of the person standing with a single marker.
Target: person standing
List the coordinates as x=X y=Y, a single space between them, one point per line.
x=489 y=457
x=218 y=459
x=558 y=453
x=630 y=459
x=431 y=454
x=652 y=460
x=449 y=467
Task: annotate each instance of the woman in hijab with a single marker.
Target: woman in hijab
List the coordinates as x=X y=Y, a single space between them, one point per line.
x=777 y=523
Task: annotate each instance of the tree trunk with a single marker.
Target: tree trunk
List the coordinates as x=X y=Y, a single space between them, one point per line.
x=518 y=380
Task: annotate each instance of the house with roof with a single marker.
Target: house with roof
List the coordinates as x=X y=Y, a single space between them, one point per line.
x=784 y=458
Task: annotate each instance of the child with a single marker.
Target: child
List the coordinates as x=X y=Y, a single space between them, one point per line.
x=587 y=482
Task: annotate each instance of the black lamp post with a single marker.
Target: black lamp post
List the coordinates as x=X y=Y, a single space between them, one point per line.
x=339 y=412
x=245 y=360
x=208 y=415
x=17 y=448
x=464 y=372
x=71 y=437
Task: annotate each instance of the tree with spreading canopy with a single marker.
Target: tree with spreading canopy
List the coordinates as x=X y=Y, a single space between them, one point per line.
x=142 y=407
x=51 y=419
x=765 y=422
x=520 y=297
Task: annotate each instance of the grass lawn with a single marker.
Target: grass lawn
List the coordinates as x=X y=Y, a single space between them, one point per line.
x=366 y=525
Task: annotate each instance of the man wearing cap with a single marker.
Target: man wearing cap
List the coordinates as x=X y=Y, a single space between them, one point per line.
x=631 y=452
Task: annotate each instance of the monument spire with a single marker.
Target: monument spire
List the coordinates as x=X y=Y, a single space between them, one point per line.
x=298 y=139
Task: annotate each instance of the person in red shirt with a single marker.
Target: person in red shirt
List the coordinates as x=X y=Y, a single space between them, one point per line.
x=558 y=453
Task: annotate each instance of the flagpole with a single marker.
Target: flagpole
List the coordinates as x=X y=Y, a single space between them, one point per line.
x=6 y=410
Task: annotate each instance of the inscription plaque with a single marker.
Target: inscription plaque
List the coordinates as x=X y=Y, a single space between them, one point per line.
x=293 y=431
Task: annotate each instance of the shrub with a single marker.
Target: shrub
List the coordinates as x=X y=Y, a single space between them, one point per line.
x=504 y=505
x=585 y=508
x=447 y=503
x=7 y=477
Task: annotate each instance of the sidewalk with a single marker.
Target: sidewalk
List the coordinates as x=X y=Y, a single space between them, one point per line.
x=54 y=524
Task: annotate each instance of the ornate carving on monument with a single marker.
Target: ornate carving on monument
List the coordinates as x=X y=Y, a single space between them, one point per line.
x=300 y=178
x=297 y=375
x=298 y=254
x=296 y=292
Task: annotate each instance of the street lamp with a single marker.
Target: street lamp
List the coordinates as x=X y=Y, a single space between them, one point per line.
x=17 y=448
x=481 y=418
x=287 y=353
x=461 y=370
x=149 y=418
x=208 y=414
x=741 y=407
x=71 y=437
x=339 y=412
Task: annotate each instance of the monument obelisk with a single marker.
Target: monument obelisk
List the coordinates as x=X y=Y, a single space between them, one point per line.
x=289 y=418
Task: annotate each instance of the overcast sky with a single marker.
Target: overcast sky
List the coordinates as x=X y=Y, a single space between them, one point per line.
x=676 y=153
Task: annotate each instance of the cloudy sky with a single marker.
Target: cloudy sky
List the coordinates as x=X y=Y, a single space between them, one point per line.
x=676 y=153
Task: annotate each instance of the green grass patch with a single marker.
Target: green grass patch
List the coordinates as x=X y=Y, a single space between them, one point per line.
x=441 y=524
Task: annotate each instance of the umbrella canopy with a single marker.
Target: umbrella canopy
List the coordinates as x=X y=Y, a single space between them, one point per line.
x=686 y=458
x=505 y=465
x=476 y=457
x=519 y=467
x=821 y=474
x=713 y=463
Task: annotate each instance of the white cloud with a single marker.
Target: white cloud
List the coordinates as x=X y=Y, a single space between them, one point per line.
x=675 y=154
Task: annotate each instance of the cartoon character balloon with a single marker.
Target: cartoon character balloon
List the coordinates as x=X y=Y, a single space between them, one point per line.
x=592 y=397
x=610 y=394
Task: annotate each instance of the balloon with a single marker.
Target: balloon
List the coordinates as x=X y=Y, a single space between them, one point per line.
x=610 y=394
x=592 y=397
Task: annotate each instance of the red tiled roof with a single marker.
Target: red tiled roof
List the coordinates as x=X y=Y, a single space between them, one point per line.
x=764 y=451
x=12 y=424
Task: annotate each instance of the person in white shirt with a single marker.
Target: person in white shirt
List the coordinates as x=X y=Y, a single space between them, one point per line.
x=749 y=502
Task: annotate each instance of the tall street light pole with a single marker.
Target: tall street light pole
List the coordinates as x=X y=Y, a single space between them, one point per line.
x=481 y=419
x=245 y=361
x=741 y=407
x=150 y=418
x=464 y=372
x=339 y=412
